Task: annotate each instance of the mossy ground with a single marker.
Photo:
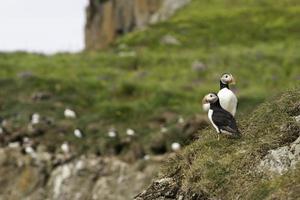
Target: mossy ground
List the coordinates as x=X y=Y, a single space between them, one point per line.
x=257 y=41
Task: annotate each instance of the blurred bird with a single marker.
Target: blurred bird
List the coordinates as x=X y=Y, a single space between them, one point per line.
x=180 y=120
x=78 y=133
x=175 y=146
x=130 y=132
x=227 y=98
x=163 y=129
x=65 y=147
x=29 y=150
x=69 y=113
x=222 y=120
x=112 y=133
x=35 y=118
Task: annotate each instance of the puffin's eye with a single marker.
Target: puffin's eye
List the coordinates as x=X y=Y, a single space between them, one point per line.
x=211 y=95
x=226 y=76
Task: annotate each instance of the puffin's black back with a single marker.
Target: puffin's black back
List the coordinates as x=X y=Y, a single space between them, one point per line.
x=223 y=119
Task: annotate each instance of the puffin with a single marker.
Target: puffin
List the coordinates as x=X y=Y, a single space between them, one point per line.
x=227 y=98
x=222 y=120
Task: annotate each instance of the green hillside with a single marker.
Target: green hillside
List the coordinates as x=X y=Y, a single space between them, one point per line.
x=143 y=78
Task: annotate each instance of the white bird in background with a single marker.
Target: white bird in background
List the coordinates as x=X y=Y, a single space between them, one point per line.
x=180 y=120
x=29 y=150
x=163 y=129
x=130 y=132
x=26 y=140
x=227 y=98
x=69 y=113
x=65 y=147
x=78 y=133
x=35 y=118
x=146 y=157
x=112 y=133
x=175 y=146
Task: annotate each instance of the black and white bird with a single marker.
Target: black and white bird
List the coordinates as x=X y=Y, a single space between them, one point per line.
x=221 y=119
x=228 y=99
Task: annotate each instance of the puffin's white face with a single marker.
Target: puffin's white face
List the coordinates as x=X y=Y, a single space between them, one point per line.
x=227 y=79
x=210 y=98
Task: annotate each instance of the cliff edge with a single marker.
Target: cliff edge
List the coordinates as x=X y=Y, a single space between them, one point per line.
x=263 y=164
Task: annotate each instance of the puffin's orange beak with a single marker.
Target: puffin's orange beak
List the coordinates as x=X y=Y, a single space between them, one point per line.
x=204 y=100
x=232 y=80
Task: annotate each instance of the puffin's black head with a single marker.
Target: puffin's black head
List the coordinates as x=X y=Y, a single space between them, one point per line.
x=210 y=98
x=227 y=79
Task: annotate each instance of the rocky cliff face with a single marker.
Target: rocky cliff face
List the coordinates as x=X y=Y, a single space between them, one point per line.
x=107 y=19
x=38 y=176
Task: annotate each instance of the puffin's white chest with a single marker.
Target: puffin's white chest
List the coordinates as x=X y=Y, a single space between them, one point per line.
x=228 y=100
x=206 y=107
x=210 y=113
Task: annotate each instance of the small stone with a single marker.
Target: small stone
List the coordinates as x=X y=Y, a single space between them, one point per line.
x=198 y=66
x=25 y=75
x=14 y=145
x=124 y=54
x=146 y=157
x=39 y=96
x=122 y=46
x=170 y=40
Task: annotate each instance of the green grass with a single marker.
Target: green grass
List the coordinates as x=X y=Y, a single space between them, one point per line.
x=257 y=41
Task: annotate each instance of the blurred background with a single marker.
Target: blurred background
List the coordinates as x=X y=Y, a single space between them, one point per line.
x=95 y=94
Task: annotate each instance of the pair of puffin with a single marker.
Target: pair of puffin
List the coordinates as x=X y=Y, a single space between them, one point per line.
x=221 y=107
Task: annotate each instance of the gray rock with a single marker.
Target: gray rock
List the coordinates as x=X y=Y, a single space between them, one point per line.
x=282 y=159
x=276 y=161
x=97 y=178
x=169 y=40
x=167 y=10
x=25 y=75
x=198 y=66
x=40 y=96
x=297 y=118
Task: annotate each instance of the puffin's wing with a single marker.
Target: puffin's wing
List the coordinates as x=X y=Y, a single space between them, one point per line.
x=224 y=120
